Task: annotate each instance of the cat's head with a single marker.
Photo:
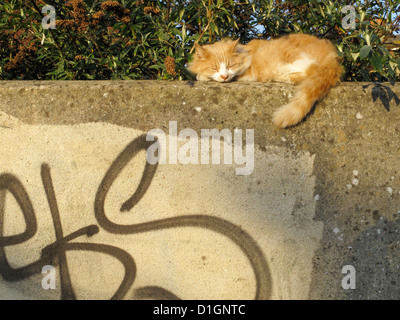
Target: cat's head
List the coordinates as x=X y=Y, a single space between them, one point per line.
x=221 y=61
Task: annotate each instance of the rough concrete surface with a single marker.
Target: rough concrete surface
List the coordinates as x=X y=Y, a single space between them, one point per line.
x=318 y=214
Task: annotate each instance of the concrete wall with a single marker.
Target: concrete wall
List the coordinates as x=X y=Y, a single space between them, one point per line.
x=78 y=194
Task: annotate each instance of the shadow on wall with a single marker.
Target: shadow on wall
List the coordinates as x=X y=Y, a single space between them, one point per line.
x=376 y=260
x=384 y=93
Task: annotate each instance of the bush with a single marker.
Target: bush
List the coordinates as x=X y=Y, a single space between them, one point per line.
x=141 y=39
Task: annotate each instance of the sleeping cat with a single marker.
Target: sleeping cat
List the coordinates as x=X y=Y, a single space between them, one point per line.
x=298 y=59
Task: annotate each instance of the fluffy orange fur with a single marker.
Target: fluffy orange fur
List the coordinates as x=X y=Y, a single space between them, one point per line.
x=301 y=59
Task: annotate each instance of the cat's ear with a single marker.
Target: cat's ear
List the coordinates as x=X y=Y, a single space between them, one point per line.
x=201 y=53
x=237 y=48
x=234 y=45
x=241 y=49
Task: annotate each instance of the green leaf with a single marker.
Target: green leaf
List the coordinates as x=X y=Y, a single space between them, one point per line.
x=156 y=66
x=377 y=62
x=355 y=55
x=364 y=52
x=88 y=76
x=183 y=32
x=181 y=12
x=135 y=51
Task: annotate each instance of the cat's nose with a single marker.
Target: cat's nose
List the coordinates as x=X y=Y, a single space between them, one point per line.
x=224 y=77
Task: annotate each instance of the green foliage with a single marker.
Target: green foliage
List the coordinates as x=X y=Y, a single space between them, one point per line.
x=142 y=39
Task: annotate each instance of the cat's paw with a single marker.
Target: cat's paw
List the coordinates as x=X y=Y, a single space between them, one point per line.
x=200 y=77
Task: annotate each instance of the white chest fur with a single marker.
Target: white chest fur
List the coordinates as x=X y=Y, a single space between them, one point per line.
x=284 y=71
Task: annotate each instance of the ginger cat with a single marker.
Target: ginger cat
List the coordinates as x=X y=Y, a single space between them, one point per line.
x=301 y=59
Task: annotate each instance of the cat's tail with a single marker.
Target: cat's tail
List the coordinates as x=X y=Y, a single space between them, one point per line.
x=320 y=77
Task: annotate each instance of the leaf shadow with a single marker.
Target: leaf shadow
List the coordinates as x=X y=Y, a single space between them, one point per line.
x=384 y=93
